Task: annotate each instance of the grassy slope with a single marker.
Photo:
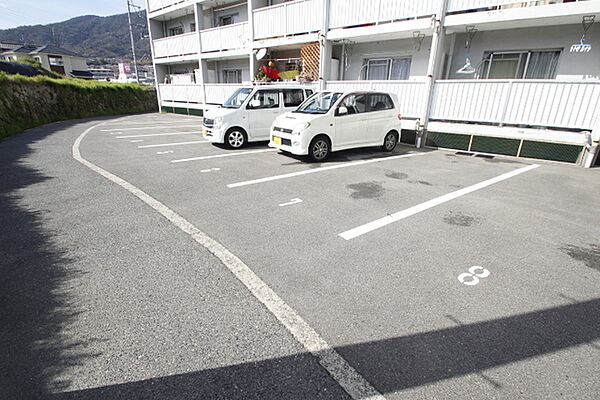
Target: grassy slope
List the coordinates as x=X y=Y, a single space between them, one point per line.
x=29 y=102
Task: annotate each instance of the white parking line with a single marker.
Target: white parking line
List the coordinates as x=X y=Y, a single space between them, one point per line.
x=241 y=153
x=391 y=218
x=312 y=171
x=149 y=122
x=136 y=141
x=340 y=370
x=149 y=127
x=164 y=152
x=156 y=134
x=147 y=146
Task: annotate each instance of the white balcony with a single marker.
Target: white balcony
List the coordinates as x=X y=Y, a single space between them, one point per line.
x=545 y=103
x=228 y=37
x=290 y=18
x=189 y=93
x=411 y=94
x=176 y=46
x=346 y=13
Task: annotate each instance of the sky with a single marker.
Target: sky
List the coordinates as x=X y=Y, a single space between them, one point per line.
x=15 y=13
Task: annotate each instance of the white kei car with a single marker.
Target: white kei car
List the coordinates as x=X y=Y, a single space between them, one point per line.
x=332 y=121
x=247 y=115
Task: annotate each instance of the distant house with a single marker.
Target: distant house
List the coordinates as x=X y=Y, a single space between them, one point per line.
x=51 y=57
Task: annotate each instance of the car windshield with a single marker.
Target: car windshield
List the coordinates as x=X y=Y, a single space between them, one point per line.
x=320 y=103
x=236 y=100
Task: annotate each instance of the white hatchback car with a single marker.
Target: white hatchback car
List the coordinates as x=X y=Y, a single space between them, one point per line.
x=332 y=121
x=247 y=115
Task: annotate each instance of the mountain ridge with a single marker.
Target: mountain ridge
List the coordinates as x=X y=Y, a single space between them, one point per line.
x=92 y=36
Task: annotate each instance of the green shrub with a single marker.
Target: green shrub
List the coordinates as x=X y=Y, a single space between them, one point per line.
x=29 y=102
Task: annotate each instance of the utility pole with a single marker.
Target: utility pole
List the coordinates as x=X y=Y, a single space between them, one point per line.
x=135 y=68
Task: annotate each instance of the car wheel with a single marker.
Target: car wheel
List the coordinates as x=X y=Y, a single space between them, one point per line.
x=390 y=141
x=235 y=138
x=319 y=149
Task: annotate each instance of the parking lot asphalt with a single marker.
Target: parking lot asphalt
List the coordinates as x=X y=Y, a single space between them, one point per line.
x=482 y=279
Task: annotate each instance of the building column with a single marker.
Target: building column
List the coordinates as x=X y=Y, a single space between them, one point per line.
x=251 y=56
x=432 y=72
x=325 y=48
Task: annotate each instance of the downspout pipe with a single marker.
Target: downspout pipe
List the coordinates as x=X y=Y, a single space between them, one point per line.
x=199 y=20
x=437 y=42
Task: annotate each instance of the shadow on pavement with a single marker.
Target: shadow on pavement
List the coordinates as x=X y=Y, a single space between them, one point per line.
x=34 y=275
x=389 y=365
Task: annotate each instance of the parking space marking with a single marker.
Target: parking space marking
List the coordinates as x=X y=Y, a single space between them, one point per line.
x=149 y=127
x=157 y=134
x=153 y=123
x=210 y=170
x=164 y=152
x=291 y=202
x=147 y=146
x=241 y=153
x=321 y=169
x=136 y=141
x=391 y=218
x=339 y=369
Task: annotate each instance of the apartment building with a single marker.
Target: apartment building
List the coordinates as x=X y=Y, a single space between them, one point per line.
x=519 y=78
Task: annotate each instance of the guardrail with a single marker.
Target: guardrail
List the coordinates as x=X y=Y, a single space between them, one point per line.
x=226 y=37
x=174 y=46
x=289 y=18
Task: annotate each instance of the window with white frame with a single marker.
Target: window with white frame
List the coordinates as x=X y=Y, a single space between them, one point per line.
x=383 y=69
x=526 y=64
x=232 y=76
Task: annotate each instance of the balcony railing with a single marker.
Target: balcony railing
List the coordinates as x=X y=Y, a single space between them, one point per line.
x=411 y=94
x=290 y=18
x=226 y=37
x=155 y=5
x=181 y=93
x=545 y=103
x=346 y=13
x=174 y=46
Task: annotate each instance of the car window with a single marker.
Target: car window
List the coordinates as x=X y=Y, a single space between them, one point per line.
x=355 y=103
x=264 y=99
x=380 y=102
x=292 y=97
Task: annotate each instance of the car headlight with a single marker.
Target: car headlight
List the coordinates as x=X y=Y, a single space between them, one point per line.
x=218 y=122
x=300 y=128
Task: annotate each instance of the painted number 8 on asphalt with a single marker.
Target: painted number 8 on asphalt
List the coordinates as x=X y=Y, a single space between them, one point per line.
x=472 y=277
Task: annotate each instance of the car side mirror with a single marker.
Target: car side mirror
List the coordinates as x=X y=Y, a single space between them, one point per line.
x=342 y=111
x=254 y=103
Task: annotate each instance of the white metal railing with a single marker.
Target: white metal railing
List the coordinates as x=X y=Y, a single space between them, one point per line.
x=563 y=104
x=217 y=93
x=155 y=5
x=174 y=46
x=289 y=18
x=224 y=37
x=461 y=5
x=345 y=13
x=181 y=93
x=411 y=94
